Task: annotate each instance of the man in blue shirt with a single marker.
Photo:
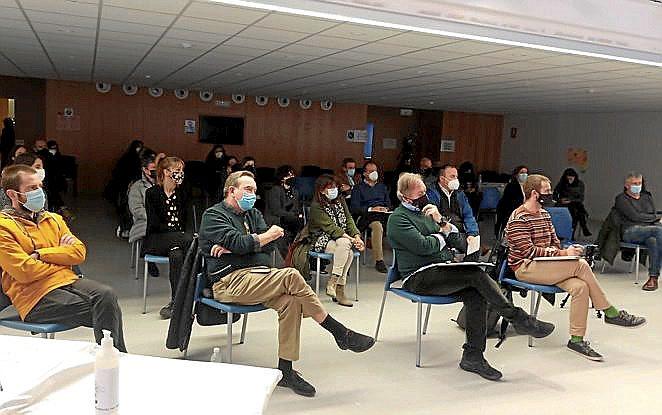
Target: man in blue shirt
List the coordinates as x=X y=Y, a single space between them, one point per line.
x=452 y=203
x=370 y=202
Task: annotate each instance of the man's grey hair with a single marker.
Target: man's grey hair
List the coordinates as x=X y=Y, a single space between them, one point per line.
x=633 y=175
x=406 y=181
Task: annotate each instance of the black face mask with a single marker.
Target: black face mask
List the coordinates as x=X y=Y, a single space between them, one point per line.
x=546 y=199
x=152 y=174
x=421 y=202
x=289 y=181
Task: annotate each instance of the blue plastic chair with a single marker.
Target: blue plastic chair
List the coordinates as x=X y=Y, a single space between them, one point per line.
x=490 y=200
x=392 y=276
x=562 y=221
x=319 y=256
x=229 y=308
x=46 y=330
x=156 y=260
x=506 y=277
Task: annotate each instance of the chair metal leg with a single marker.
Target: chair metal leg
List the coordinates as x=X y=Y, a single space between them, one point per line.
x=636 y=269
x=427 y=318
x=381 y=312
x=44 y=335
x=535 y=304
x=137 y=257
x=51 y=336
x=133 y=253
x=419 y=317
x=145 y=289
x=604 y=263
x=317 y=276
x=243 y=329
x=365 y=251
x=186 y=353
x=358 y=272
x=229 y=352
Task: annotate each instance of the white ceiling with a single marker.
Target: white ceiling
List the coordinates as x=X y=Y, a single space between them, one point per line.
x=204 y=45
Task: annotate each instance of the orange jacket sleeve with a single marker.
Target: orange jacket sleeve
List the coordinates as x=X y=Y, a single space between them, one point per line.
x=19 y=264
x=64 y=254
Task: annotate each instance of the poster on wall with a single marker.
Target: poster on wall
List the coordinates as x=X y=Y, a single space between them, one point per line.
x=189 y=126
x=578 y=157
x=390 y=144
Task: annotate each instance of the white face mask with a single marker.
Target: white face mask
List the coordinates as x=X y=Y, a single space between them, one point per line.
x=41 y=173
x=373 y=176
x=454 y=184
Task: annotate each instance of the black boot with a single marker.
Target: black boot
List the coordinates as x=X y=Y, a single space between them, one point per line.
x=529 y=326
x=476 y=363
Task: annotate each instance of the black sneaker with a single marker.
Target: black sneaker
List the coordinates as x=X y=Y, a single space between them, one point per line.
x=355 y=342
x=530 y=326
x=625 y=319
x=583 y=348
x=295 y=382
x=381 y=267
x=166 y=311
x=152 y=270
x=480 y=367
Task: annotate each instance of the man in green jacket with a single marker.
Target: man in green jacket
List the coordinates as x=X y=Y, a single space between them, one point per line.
x=420 y=238
x=237 y=237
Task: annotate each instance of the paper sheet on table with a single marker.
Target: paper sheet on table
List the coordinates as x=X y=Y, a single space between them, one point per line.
x=473 y=244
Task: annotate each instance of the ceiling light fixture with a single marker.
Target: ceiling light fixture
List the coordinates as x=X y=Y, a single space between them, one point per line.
x=148 y=76
x=370 y=22
x=186 y=45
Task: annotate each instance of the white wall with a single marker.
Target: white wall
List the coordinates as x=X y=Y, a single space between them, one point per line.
x=616 y=144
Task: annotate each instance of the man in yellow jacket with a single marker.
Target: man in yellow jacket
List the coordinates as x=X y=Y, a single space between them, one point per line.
x=37 y=251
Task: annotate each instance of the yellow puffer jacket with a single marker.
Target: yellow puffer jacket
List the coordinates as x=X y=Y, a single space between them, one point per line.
x=26 y=280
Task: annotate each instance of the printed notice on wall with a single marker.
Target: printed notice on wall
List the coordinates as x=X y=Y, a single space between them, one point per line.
x=390 y=143
x=189 y=126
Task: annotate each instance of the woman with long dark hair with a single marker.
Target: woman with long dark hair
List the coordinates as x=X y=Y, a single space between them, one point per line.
x=282 y=207
x=333 y=231
x=215 y=164
x=512 y=198
x=569 y=192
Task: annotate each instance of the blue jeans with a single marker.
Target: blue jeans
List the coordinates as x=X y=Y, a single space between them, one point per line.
x=651 y=237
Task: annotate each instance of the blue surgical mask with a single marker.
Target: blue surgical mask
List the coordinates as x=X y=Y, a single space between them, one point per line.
x=351 y=172
x=332 y=193
x=36 y=199
x=635 y=189
x=247 y=201
x=522 y=177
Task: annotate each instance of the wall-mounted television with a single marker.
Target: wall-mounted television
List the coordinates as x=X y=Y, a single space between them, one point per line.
x=221 y=130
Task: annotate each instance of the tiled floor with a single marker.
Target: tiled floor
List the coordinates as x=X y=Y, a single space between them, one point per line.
x=544 y=379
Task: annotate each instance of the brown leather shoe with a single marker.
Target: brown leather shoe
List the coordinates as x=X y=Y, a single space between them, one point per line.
x=340 y=297
x=651 y=284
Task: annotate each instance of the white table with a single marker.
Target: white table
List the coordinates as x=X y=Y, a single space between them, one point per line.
x=57 y=376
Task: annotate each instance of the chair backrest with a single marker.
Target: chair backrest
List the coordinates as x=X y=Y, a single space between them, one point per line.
x=393 y=274
x=490 y=199
x=562 y=222
x=305 y=186
x=199 y=286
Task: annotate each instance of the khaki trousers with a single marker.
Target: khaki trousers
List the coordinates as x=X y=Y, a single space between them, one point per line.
x=343 y=256
x=572 y=276
x=376 y=238
x=283 y=290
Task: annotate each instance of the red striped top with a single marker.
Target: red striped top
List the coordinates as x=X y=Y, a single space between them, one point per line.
x=530 y=235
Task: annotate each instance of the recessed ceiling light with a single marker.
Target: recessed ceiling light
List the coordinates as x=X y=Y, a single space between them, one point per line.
x=421 y=72
x=186 y=45
x=239 y=74
x=431 y=102
x=148 y=76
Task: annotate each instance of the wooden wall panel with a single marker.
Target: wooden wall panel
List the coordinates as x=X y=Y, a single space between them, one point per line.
x=30 y=96
x=477 y=139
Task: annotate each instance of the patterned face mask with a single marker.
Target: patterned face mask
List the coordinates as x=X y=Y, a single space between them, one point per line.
x=177 y=177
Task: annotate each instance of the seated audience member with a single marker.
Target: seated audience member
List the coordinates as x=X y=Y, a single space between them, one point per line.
x=453 y=204
x=333 y=231
x=466 y=173
x=345 y=178
x=166 y=206
x=569 y=192
x=56 y=183
x=17 y=151
x=236 y=236
x=216 y=174
x=38 y=251
x=247 y=164
x=7 y=141
x=370 y=202
x=512 y=198
x=137 y=192
x=126 y=171
x=39 y=145
x=640 y=223
x=26 y=159
x=282 y=207
x=229 y=165
x=420 y=238
x=426 y=171
x=531 y=235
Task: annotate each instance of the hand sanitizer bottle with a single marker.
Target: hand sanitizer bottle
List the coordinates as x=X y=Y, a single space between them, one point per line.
x=106 y=377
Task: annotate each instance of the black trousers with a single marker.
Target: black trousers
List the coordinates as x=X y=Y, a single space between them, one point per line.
x=476 y=290
x=174 y=246
x=83 y=303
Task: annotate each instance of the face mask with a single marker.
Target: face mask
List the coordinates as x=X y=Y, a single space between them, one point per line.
x=177 y=177
x=36 y=199
x=546 y=200
x=373 y=176
x=219 y=154
x=332 y=193
x=289 y=181
x=417 y=205
x=152 y=174
x=522 y=177
x=635 y=189
x=571 y=179
x=247 y=201
x=41 y=173
x=454 y=184
x=52 y=151
x=351 y=172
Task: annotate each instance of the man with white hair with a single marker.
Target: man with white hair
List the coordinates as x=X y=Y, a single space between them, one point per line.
x=420 y=239
x=641 y=223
